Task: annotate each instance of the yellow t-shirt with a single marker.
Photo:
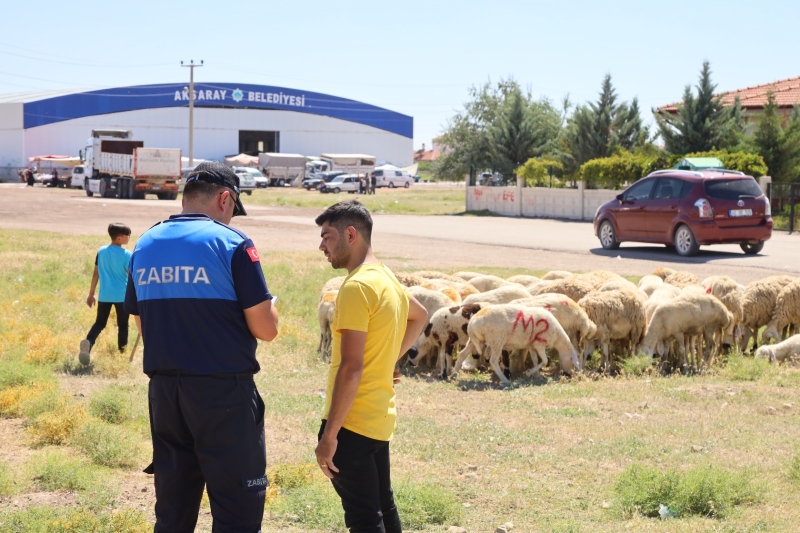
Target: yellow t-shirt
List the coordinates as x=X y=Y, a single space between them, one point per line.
x=371 y=300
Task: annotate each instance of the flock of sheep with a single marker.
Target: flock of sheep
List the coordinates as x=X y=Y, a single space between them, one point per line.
x=686 y=322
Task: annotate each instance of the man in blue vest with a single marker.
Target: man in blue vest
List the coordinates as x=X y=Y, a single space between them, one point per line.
x=200 y=300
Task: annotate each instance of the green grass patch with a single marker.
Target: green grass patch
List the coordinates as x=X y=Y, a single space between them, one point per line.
x=312 y=506
x=705 y=491
x=7 y=486
x=794 y=469
x=425 y=505
x=566 y=412
x=113 y=404
x=108 y=445
x=57 y=469
x=84 y=520
x=637 y=365
x=14 y=372
x=739 y=368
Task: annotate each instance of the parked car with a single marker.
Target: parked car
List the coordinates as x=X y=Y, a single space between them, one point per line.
x=392 y=178
x=261 y=181
x=247 y=183
x=345 y=182
x=685 y=210
x=322 y=178
x=78 y=175
x=490 y=180
x=313 y=183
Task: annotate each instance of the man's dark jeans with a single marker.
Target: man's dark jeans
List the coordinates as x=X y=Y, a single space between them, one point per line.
x=363 y=483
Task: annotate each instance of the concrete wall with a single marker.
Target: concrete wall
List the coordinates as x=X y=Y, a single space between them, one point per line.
x=12 y=145
x=216 y=133
x=571 y=204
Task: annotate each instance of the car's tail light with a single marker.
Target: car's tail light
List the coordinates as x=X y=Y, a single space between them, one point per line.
x=704 y=208
x=768 y=208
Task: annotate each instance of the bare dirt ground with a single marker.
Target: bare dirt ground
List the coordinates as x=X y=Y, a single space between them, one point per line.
x=407 y=240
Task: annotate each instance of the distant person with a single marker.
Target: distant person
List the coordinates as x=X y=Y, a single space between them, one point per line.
x=111 y=266
x=373 y=182
x=54 y=178
x=30 y=178
x=376 y=321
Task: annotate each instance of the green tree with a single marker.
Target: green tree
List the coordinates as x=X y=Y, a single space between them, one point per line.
x=499 y=129
x=779 y=147
x=702 y=122
x=599 y=129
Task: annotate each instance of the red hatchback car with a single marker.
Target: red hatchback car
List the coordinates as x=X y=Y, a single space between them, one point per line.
x=687 y=209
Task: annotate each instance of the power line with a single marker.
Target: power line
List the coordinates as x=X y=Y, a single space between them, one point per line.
x=71 y=60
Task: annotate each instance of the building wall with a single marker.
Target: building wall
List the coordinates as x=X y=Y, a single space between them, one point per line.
x=12 y=150
x=216 y=133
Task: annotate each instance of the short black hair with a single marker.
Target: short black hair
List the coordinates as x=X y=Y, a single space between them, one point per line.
x=117 y=229
x=203 y=190
x=348 y=213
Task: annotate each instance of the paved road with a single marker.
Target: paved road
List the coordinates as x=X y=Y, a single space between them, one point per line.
x=415 y=241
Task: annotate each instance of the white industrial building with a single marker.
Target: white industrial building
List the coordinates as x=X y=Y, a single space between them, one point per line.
x=229 y=119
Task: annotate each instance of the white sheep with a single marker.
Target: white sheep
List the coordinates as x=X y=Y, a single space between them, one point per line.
x=523 y=279
x=781 y=351
x=466 y=276
x=575 y=287
x=617 y=315
x=569 y=314
x=333 y=284
x=500 y=295
x=650 y=283
x=516 y=327
x=432 y=301
x=786 y=312
x=325 y=311
x=534 y=288
x=447 y=329
x=729 y=292
x=690 y=314
x=681 y=279
x=557 y=274
x=435 y=274
x=758 y=304
x=487 y=282
x=409 y=280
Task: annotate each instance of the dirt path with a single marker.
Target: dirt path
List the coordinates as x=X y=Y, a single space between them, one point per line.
x=400 y=240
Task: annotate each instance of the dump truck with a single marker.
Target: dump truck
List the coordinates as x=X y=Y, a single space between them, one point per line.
x=117 y=166
x=281 y=169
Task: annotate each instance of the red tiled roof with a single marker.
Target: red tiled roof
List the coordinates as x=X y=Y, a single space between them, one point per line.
x=787 y=94
x=426 y=155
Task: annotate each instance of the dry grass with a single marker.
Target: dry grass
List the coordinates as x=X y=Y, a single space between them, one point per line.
x=545 y=454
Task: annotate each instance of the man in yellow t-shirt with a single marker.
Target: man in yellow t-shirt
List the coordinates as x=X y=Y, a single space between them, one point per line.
x=376 y=321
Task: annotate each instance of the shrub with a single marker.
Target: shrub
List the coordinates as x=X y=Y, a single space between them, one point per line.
x=637 y=365
x=314 y=506
x=113 y=405
x=58 y=470
x=45 y=348
x=615 y=171
x=702 y=491
x=750 y=164
x=58 y=426
x=59 y=520
x=108 y=445
x=747 y=368
x=293 y=475
x=536 y=171
x=14 y=373
x=6 y=481
x=28 y=400
x=424 y=505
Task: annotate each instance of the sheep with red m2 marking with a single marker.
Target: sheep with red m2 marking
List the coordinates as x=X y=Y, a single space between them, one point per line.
x=516 y=327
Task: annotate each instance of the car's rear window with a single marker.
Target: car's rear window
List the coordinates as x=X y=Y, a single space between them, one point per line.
x=733 y=189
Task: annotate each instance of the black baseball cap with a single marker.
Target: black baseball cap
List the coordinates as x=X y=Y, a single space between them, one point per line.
x=214 y=172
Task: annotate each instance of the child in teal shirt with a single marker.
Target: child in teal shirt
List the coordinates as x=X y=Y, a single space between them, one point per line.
x=111 y=270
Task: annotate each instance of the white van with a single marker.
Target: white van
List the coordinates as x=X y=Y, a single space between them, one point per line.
x=392 y=178
x=78 y=174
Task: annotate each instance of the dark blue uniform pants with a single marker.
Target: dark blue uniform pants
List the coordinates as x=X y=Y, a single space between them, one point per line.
x=364 y=483
x=208 y=431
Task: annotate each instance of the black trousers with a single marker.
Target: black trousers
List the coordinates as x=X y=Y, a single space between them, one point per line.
x=103 y=312
x=208 y=431
x=363 y=483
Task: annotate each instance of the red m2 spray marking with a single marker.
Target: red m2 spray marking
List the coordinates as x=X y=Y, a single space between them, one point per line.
x=534 y=324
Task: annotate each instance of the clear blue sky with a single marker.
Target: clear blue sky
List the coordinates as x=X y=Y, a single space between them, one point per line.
x=417 y=58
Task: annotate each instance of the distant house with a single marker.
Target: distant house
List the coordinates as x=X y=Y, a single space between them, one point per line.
x=426 y=155
x=753 y=100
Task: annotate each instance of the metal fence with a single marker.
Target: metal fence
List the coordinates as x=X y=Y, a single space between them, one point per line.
x=784 y=198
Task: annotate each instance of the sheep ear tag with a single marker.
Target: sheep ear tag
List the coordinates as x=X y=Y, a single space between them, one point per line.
x=708 y=290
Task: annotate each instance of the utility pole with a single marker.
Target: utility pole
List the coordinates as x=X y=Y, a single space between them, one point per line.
x=191 y=66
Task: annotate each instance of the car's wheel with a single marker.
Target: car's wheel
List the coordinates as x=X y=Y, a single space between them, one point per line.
x=86 y=187
x=407 y=185
x=608 y=237
x=281 y=183
x=685 y=243
x=752 y=249
x=337 y=190
x=102 y=188
x=391 y=185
